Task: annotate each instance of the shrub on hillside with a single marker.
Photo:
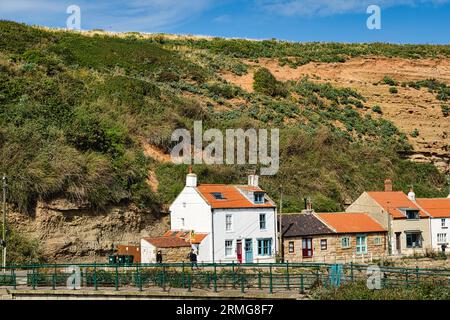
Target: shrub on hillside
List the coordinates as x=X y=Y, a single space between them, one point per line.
x=266 y=83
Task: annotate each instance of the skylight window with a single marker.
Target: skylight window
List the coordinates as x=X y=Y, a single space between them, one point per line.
x=218 y=195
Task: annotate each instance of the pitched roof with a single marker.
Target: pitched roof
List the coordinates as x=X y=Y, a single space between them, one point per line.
x=233 y=197
x=392 y=201
x=436 y=207
x=351 y=222
x=303 y=224
x=168 y=242
x=176 y=238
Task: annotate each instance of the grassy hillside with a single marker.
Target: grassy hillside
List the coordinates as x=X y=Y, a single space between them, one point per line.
x=74 y=111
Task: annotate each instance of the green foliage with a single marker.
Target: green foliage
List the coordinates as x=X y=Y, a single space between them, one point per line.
x=393 y=90
x=389 y=81
x=441 y=89
x=377 y=109
x=21 y=249
x=265 y=83
x=415 y=133
x=359 y=291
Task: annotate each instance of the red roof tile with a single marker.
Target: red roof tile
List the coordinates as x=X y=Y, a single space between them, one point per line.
x=351 y=222
x=167 y=242
x=233 y=198
x=391 y=201
x=436 y=207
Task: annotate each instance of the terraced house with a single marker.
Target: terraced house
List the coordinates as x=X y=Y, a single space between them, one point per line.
x=439 y=212
x=407 y=224
x=332 y=237
x=239 y=220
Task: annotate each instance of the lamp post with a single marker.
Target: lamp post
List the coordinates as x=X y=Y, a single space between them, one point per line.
x=4 y=225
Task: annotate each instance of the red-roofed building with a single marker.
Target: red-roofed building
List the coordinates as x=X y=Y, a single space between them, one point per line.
x=406 y=222
x=439 y=211
x=332 y=237
x=240 y=220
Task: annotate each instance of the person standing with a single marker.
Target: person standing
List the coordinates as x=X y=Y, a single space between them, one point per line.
x=159 y=257
x=193 y=259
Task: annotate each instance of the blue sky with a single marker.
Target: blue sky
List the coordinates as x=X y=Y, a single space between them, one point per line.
x=402 y=21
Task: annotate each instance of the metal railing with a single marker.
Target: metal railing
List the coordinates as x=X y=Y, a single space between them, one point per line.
x=267 y=277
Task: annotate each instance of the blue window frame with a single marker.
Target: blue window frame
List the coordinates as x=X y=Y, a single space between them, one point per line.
x=259 y=197
x=264 y=247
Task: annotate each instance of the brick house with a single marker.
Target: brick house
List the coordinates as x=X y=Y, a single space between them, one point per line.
x=332 y=237
x=406 y=222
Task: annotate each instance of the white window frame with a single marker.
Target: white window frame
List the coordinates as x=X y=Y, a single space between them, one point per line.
x=230 y=248
x=359 y=247
x=229 y=224
x=349 y=245
x=377 y=241
x=265 y=221
x=443 y=238
x=444 y=223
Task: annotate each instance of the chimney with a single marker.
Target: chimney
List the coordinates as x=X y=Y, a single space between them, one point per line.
x=191 y=178
x=253 y=180
x=388 y=185
x=411 y=194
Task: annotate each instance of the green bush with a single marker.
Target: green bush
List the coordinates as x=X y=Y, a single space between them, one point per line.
x=445 y=110
x=393 y=90
x=265 y=83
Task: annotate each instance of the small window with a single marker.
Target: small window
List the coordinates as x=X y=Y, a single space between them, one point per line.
x=264 y=247
x=218 y=195
x=182 y=222
x=345 y=242
x=414 y=240
x=258 y=197
x=228 y=222
x=442 y=238
x=443 y=223
x=228 y=248
x=262 y=221
x=361 y=244
x=377 y=241
x=412 y=214
x=291 y=246
x=323 y=244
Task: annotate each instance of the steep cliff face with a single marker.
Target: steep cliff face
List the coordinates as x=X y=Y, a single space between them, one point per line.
x=71 y=233
x=409 y=108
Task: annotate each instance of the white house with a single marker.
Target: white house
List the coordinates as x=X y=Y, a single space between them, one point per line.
x=239 y=220
x=439 y=212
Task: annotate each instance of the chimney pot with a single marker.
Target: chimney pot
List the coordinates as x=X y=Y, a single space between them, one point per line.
x=388 y=185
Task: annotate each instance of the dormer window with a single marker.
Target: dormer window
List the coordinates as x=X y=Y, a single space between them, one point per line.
x=218 y=195
x=258 y=197
x=411 y=214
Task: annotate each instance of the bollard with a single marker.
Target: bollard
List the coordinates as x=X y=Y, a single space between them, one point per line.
x=270 y=280
x=302 y=284
x=215 y=278
x=116 y=279
x=288 y=287
x=95 y=278
x=259 y=280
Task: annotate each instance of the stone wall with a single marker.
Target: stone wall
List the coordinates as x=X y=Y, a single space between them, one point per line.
x=177 y=254
x=334 y=251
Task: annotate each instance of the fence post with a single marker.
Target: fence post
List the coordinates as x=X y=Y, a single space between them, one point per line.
x=33 y=280
x=164 y=278
x=116 y=280
x=302 y=284
x=95 y=277
x=234 y=275
x=189 y=282
x=351 y=271
x=242 y=283
x=270 y=280
x=259 y=280
x=14 y=278
x=417 y=275
x=407 y=278
x=54 y=278
x=288 y=287
x=215 y=278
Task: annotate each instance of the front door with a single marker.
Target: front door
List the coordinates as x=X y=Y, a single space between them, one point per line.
x=239 y=250
x=307 y=248
x=398 y=242
x=248 y=250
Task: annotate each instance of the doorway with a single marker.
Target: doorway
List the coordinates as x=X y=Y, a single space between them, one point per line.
x=248 y=250
x=239 y=250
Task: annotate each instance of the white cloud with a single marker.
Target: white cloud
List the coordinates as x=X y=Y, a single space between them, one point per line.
x=118 y=15
x=332 y=7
